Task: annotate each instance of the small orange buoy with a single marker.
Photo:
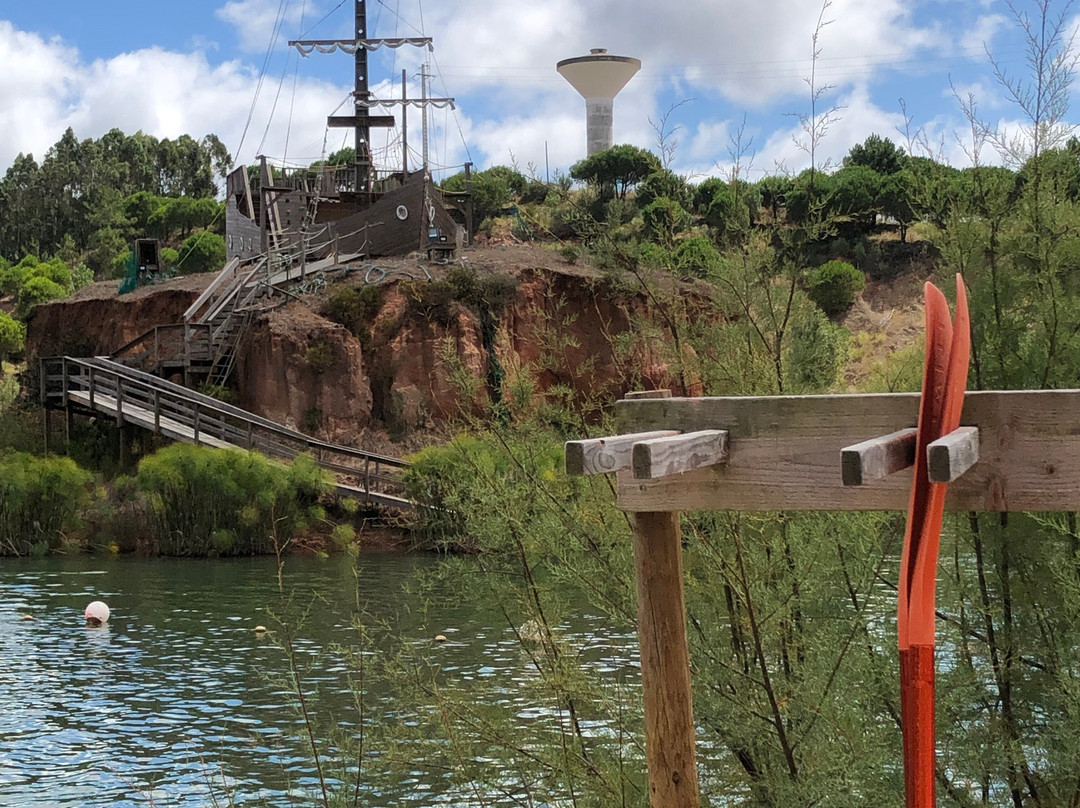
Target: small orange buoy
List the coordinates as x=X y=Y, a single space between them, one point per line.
x=440 y=638
x=260 y=629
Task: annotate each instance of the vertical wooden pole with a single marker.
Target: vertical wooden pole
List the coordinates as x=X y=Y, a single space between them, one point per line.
x=665 y=662
x=48 y=427
x=69 y=422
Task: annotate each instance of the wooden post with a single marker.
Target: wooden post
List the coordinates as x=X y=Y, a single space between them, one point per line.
x=48 y=427
x=119 y=402
x=665 y=661
x=91 y=388
x=157 y=411
x=195 y=421
x=69 y=422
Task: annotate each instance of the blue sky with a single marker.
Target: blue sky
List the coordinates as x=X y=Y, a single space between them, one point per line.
x=197 y=66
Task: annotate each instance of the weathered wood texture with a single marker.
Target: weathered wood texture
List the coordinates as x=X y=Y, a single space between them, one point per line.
x=665 y=662
x=785 y=452
x=605 y=455
x=952 y=455
x=877 y=458
x=661 y=457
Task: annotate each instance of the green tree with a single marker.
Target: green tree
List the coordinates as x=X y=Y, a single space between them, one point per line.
x=202 y=252
x=878 y=153
x=667 y=184
x=492 y=190
x=858 y=191
x=614 y=171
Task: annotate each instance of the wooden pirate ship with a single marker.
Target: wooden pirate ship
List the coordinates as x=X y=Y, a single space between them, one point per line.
x=353 y=210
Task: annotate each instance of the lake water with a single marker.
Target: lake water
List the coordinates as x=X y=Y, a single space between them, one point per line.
x=173 y=702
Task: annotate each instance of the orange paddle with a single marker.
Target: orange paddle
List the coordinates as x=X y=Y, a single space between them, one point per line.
x=948 y=346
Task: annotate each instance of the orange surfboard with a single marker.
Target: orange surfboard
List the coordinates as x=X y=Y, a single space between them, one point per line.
x=948 y=347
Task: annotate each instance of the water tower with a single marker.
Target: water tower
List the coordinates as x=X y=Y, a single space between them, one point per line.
x=599 y=77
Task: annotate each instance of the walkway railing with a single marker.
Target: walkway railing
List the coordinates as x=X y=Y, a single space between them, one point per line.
x=134 y=397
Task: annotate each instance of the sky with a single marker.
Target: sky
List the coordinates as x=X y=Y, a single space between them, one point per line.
x=719 y=78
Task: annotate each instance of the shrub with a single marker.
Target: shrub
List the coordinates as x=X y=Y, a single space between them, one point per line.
x=12 y=336
x=664 y=218
x=354 y=307
x=697 y=257
x=312 y=420
x=570 y=253
x=819 y=349
x=206 y=501
x=40 y=498
x=430 y=299
x=833 y=286
x=36 y=290
x=319 y=357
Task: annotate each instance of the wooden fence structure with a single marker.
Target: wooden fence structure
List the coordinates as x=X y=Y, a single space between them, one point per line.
x=1016 y=450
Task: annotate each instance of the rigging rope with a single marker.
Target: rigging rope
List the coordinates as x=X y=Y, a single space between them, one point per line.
x=296 y=73
x=282 y=6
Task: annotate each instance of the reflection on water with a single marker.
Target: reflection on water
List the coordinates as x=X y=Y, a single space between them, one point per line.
x=172 y=702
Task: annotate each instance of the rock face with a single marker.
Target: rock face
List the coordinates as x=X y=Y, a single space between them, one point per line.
x=95 y=321
x=415 y=358
x=299 y=369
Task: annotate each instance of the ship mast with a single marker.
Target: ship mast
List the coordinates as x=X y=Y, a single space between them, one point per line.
x=362 y=121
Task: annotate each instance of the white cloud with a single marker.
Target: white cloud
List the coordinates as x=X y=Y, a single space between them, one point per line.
x=36 y=85
x=47 y=88
x=751 y=52
x=255 y=21
x=978 y=38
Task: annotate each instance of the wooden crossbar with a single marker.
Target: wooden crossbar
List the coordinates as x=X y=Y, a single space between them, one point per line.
x=785 y=452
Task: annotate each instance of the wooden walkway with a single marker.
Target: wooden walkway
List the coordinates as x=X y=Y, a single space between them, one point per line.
x=131 y=396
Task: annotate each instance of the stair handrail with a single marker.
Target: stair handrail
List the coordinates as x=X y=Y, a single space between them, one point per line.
x=106 y=365
x=229 y=269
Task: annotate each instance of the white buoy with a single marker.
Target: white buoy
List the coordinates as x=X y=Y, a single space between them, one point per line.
x=97 y=613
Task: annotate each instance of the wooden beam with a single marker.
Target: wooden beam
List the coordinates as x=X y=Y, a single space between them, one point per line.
x=784 y=451
x=663 y=457
x=951 y=455
x=605 y=455
x=665 y=662
x=352 y=121
x=877 y=458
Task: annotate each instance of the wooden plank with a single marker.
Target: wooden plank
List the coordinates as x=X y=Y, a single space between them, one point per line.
x=227 y=270
x=665 y=662
x=637 y=395
x=663 y=457
x=145 y=418
x=784 y=452
x=951 y=455
x=877 y=458
x=605 y=455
